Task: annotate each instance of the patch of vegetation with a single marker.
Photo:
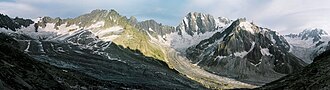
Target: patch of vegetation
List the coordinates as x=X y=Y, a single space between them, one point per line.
x=134 y=39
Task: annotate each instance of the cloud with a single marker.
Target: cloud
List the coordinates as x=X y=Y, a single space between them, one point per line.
x=143 y=9
x=18 y=9
x=284 y=16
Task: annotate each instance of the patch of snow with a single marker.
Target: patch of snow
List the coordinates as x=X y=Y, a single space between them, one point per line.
x=241 y=54
x=272 y=39
x=3 y=30
x=257 y=63
x=109 y=34
x=218 y=23
x=244 y=53
x=252 y=46
x=113 y=59
x=28 y=46
x=60 y=49
x=96 y=25
x=48 y=32
x=219 y=57
x=202 y=17
x=41 y=48
x=109 y=38
x=65 y=70
x=265 y=51
x=151 y=30
x=80 y=52
x=221 y=24
x=106 y=46
x=36 y=19
x=247 y=26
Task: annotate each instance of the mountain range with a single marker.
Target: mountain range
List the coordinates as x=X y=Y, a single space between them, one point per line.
x=309 y=43
x=202 y=52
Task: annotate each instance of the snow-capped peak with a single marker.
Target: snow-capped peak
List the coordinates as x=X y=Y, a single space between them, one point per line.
x=247 y=26
x=313 y=34
x=243 y=24
x=316 y=31
x=308 y=43
x=222 y=21
x=36 y=20
x=198 y=23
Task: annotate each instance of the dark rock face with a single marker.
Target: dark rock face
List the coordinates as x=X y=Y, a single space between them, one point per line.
x=20 y=71
x=320 y=48
x=246 y=52
x=132 y=20
x=36 y=26
x=155 y=28
x=313 y=77
x=13 y=23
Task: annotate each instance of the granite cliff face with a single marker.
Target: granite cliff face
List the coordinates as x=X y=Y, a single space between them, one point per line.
x=197 y=23
x=13 y=23
x=155 y=28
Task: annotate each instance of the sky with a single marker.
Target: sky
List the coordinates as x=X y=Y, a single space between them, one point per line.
x=284 y=16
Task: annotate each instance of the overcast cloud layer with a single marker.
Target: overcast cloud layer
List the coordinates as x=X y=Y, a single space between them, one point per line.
x=284 y=16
